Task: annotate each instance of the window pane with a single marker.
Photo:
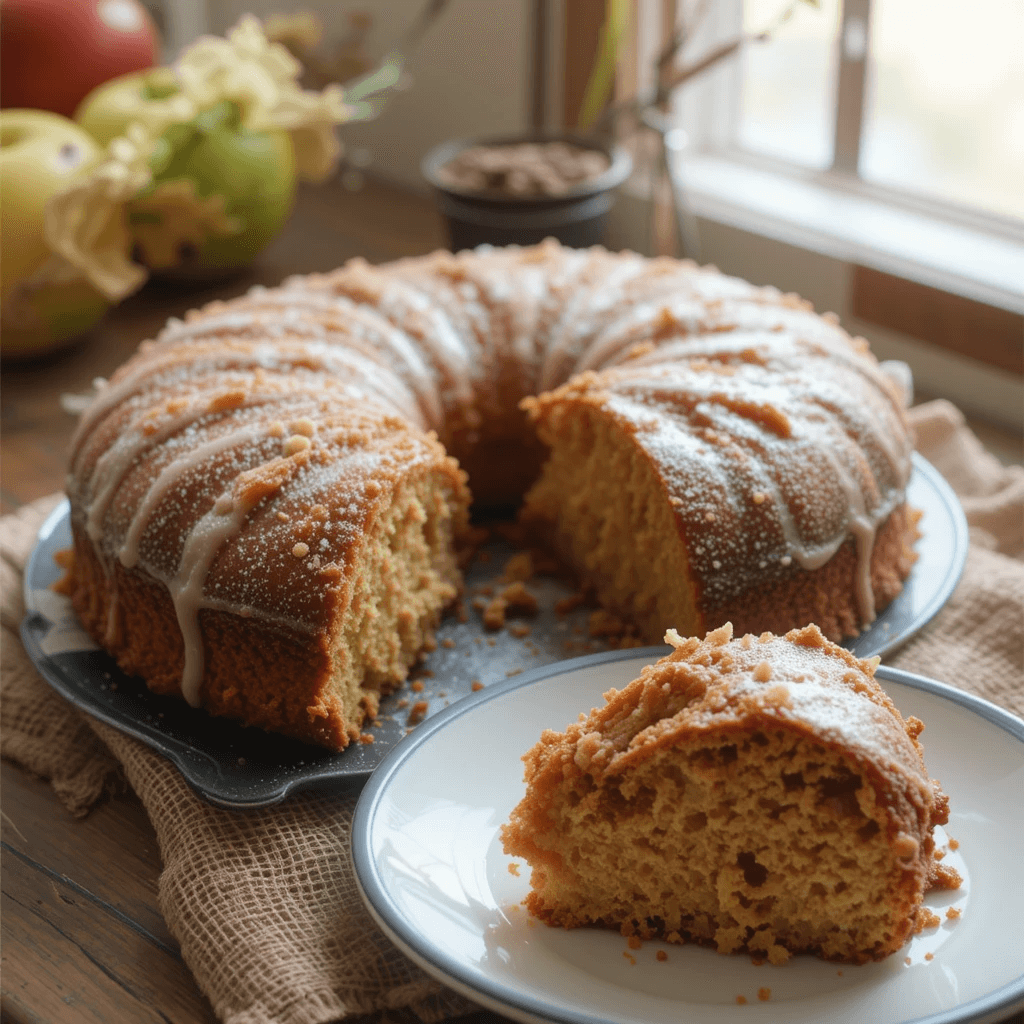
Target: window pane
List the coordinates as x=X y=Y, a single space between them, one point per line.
x=788 y=90
x=945 y=106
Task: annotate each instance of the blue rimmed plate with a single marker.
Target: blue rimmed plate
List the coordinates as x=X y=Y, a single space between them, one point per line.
x=432 y=872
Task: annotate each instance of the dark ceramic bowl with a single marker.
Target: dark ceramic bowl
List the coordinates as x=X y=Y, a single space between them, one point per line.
x=576 y=217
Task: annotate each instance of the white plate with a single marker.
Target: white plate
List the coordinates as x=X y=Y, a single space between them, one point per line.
x=432 y=873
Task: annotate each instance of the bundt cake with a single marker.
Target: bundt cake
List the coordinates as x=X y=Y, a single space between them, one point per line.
x=760 y=795
x=266 y=497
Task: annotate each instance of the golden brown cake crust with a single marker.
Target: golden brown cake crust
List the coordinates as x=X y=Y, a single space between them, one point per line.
x=840 y=801
x=264 y=458
x=287 y=676
x=826 y=596
x=784 y=461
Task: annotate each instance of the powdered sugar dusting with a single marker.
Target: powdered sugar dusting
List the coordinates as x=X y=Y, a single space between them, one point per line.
x=269 y=424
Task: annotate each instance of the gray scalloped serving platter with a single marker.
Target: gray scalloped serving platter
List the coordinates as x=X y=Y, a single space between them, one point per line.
x=238 y=767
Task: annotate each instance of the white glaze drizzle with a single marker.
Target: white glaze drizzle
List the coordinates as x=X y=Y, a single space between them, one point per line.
x=115 y=462
x=171 y=475
x=107 y=397
x=343 y=324
x=859 y=523
x=186 y=589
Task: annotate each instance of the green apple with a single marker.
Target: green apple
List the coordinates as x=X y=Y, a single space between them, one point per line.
x=254 y=172
x=108 y=110
x=40 y=154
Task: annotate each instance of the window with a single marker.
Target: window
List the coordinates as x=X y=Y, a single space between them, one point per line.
x=788 y=85
x=924 y=98
x=945 y=105
x=870 y=157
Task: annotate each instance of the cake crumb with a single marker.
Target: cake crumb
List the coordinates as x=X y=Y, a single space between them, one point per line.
x=404 y=702
x=519 y=630
x=568 y=604
x=519 y=599
x=945 y=877
x=519 y=567
x=927 y=919
x=366 y=738
x=416 y=686
x=241 y=762
x=634 y=942
x=661 y=955
x=954 y=845
x=952 y=913
x=513 y=672
x=417 y=712
x=906 y=960
x=296 y=443
x=476 y=685
x=491 y=642
x=840 y=973
x=629 y=956
x=513 y=869
x=741 y=1000
x=764 y=994
x=929 y=956
x=494 y=612
x=448 y=642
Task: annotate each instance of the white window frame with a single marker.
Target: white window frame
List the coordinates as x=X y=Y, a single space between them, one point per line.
x=782 y=223
x=849 y=111
x=965 y=251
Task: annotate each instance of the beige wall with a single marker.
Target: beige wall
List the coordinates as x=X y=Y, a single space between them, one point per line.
x=470 y=75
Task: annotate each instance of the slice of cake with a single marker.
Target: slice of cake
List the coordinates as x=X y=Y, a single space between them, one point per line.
x=761 y=794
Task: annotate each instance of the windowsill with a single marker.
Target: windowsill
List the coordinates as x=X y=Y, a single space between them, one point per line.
x=857 y=229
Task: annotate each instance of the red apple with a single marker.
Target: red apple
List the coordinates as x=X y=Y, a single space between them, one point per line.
x=54 y=52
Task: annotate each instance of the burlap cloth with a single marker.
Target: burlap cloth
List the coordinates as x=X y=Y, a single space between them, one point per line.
x=264 y=903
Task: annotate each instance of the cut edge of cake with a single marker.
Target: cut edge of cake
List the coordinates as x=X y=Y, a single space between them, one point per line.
x=758 y=795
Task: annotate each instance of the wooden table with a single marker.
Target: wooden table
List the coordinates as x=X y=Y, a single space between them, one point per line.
x=83 y=937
